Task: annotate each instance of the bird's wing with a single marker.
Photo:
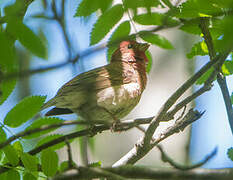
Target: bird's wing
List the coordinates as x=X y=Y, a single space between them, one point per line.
x=96 y=79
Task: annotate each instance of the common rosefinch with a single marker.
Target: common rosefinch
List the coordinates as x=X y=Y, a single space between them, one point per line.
x=107 y=93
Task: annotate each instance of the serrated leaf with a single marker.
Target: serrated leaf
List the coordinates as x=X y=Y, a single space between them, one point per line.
x=87 y=7
x=29 y=162
x=156 y=40
x=105 y=23
x=197 y=8
x=149 y=64
x=191 y=26
x=198 y=49
x=29 y=176
x=230 y=153
x=134 y=5
x=154 y=19
x=7 y=65
x=13 y=174
x=24 y=111
x=204 y=77
x=11 y=155
x=122 y=31
x=50 y=138
x=49 y=162
x=42 y=122
x=27 y=38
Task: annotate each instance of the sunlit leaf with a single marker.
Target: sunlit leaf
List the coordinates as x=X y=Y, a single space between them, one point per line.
x=24 y=110
x=49 y=162
x=198 y=49
x=105 y=23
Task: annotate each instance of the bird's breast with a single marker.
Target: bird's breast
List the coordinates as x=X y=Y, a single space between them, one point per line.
x=120 y=96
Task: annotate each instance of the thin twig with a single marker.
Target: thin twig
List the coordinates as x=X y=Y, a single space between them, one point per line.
x=220 y=78
x=137 y=152
x=176 y=165
x=69 y=153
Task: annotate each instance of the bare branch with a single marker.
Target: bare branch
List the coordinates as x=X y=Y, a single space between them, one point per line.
x=166 y=158
x=137 y=152
x=140 y=172
x=220 y=78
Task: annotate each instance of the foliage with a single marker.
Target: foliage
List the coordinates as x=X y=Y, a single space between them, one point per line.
x=111 y=20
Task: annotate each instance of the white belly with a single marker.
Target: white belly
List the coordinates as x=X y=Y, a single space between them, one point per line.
x=117 y=97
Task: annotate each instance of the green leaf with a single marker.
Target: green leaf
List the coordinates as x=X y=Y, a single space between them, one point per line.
x=122 y=31
x=134 y=5
x=24 y=111
x=18 y=147
x=27 y=38
x=2 y=135
x=198 y=49
x=50 y=138
x=3 y=176
x=7 y=65
x=156 y=39
x=65 y=165
x=11 y=155
x=29 y=176
x=191 y=26
x=13 y=175
x=87 y=7
x=154 y=19
x=49 y=162
x=29 y=161
x=41 y=122
x=95 y=164
x=197 y=8
x=105 y=23
x=204 y=77
x=149 y=65
x=230 y=153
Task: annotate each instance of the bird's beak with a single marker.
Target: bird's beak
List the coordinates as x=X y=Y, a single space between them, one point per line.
x=144 y=46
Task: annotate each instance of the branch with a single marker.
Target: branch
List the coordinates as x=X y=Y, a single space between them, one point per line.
x=139 y=172
x=220 y=78
x=83 y=54
x=137 y=152
x=166 y=158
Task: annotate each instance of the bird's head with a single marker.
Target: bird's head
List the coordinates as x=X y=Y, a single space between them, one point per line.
x=131 y=51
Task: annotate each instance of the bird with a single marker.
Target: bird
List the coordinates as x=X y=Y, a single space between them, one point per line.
x=107 y=93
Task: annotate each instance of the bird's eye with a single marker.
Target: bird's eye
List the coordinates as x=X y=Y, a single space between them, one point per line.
x=130 y=46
